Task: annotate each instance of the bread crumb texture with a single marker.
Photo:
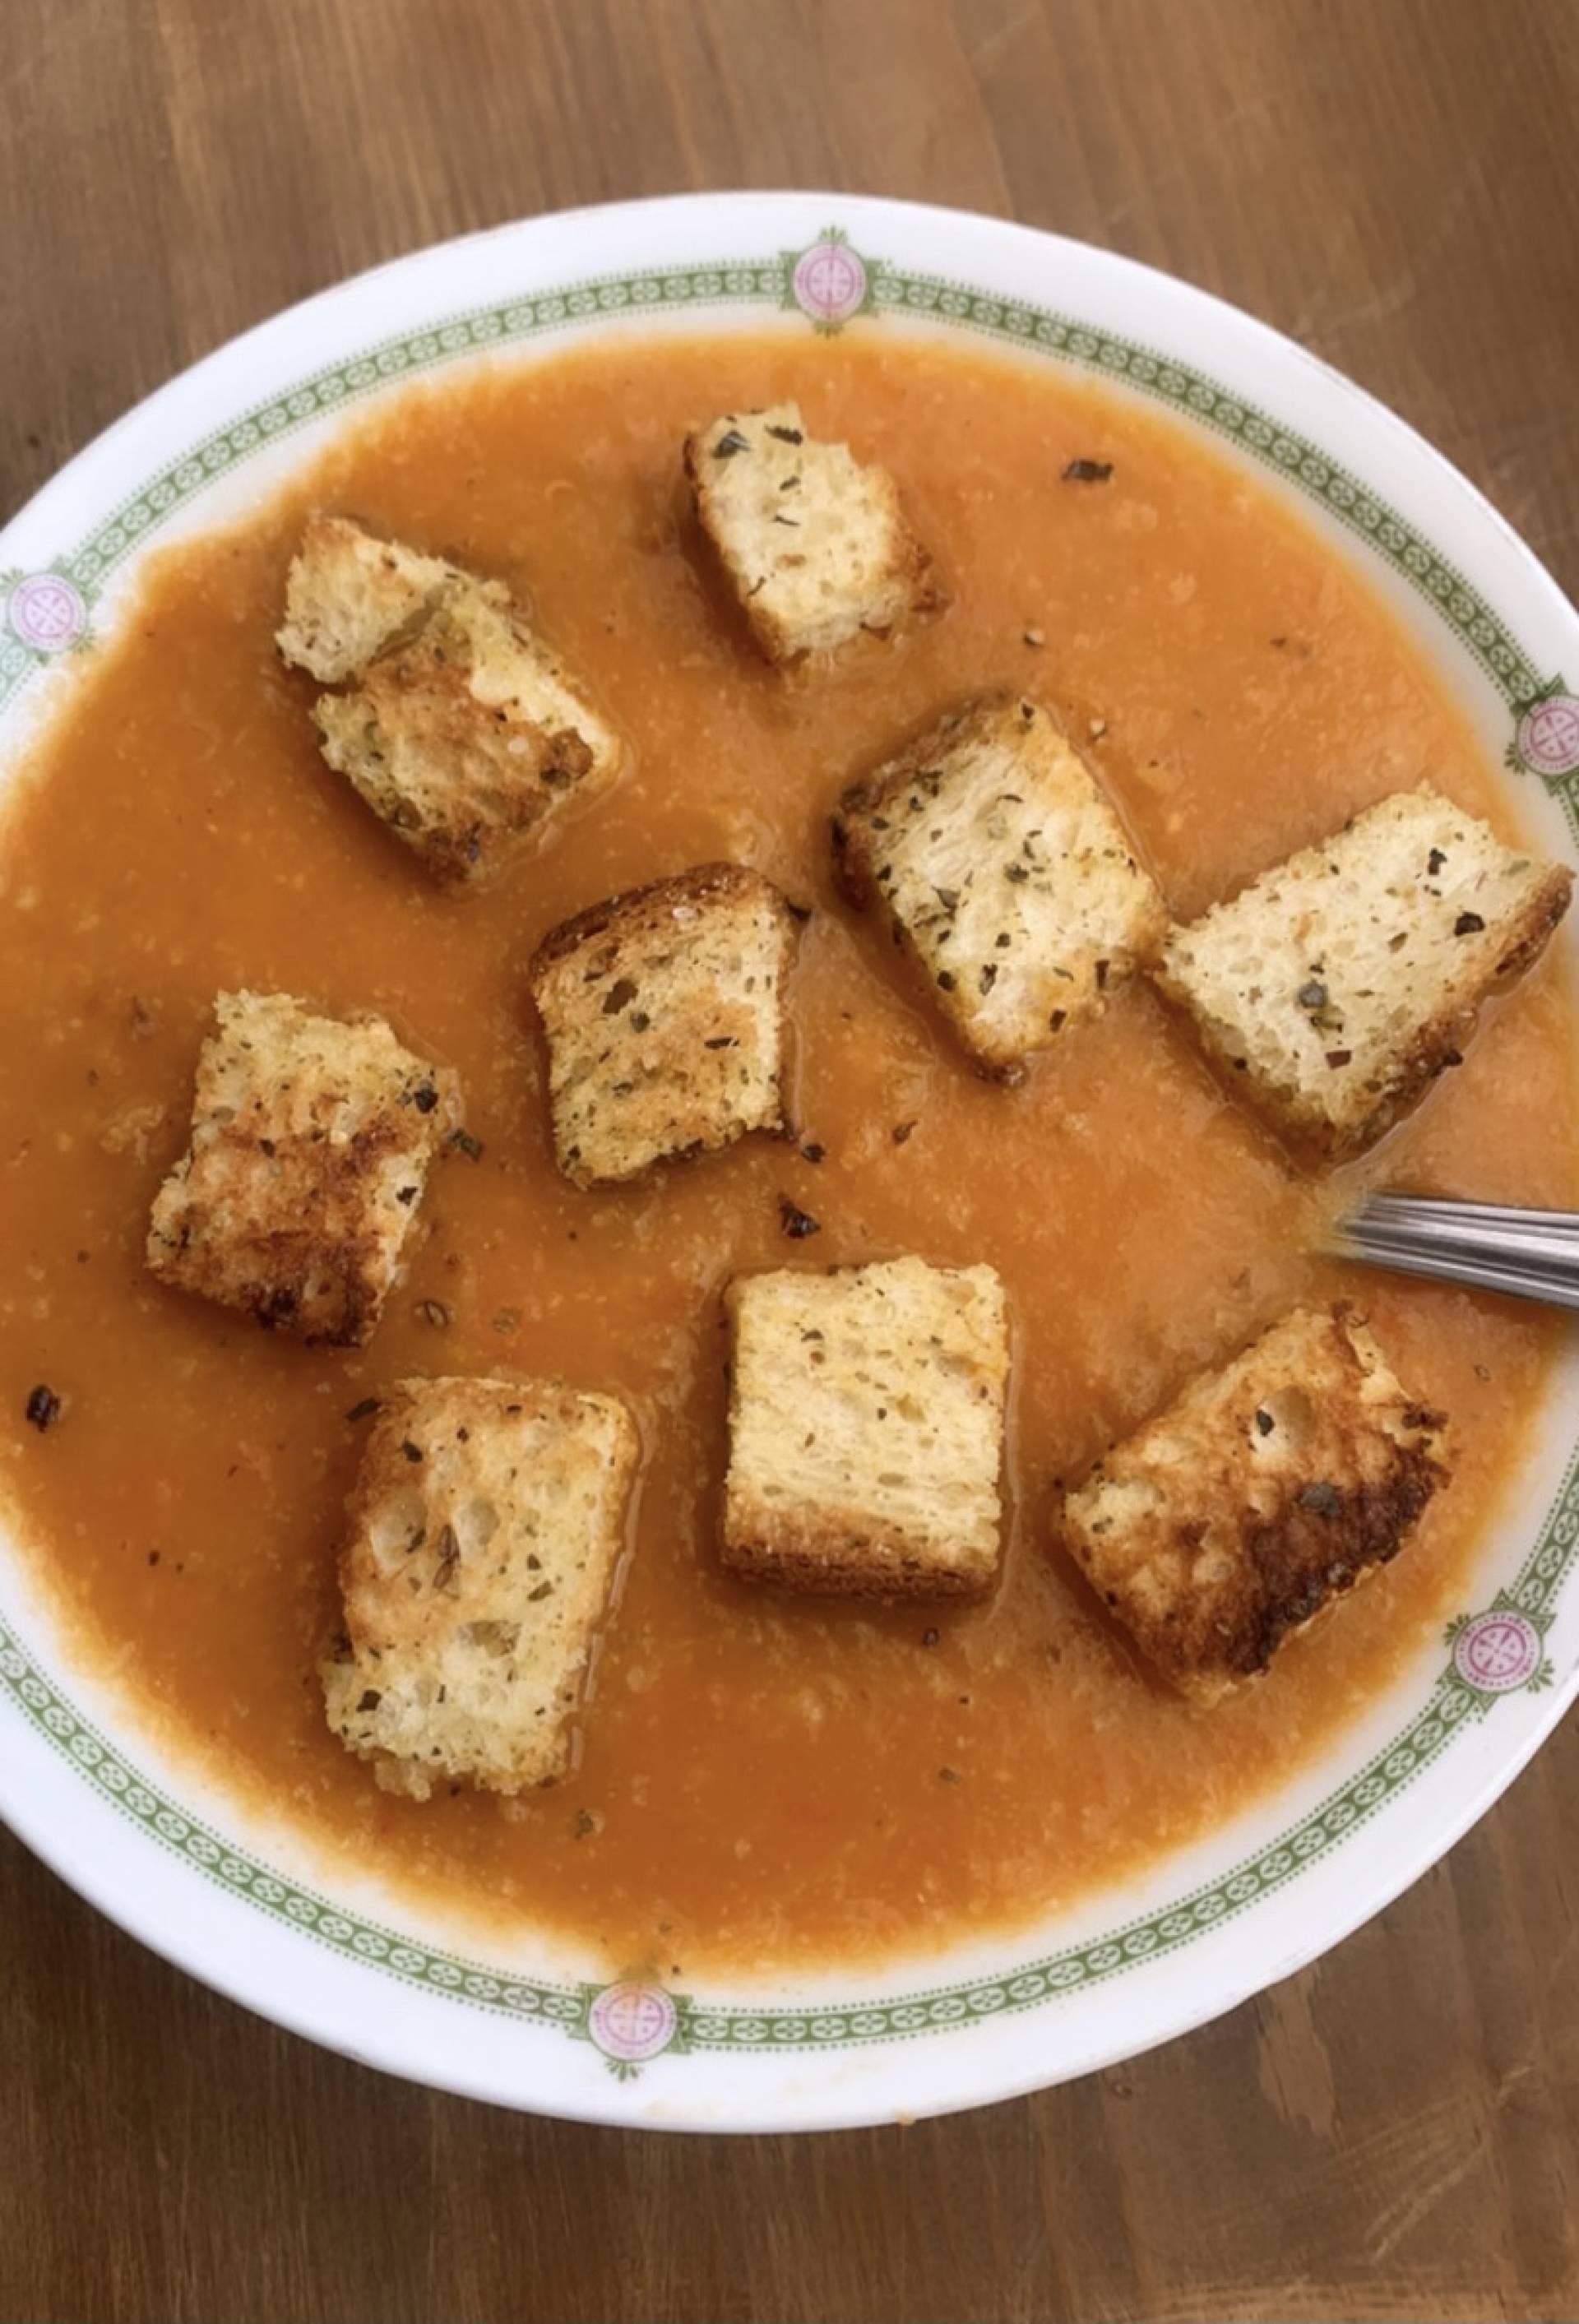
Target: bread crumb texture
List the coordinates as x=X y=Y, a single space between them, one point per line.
x=1267 y=1488
x=462 y=729
x=664 y=1012
x=484 y=1529
x=1335 y=988
x=1008 y=876
x=866 y=1429
x=311 y=1141
x=814 y=542
x=349 y=595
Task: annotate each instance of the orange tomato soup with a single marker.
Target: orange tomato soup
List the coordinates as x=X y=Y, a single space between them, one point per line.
x=762 y=1781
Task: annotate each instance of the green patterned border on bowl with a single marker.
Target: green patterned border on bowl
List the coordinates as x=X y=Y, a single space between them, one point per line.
x=1524 y=1610
x=1496 y=1652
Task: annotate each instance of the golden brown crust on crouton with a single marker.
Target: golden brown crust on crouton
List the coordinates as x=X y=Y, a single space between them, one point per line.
x=866 y=1420
x=1267 y=1488
x=664 y=1010
x=846 y=1556
x=311 y=1141
x=1006 y=874
x=1334 y=988
x=484 y=1530
x=815 y=543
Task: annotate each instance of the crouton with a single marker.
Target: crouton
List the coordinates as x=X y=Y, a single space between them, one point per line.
x=311 y=1146
x=866 y=1430
x=1006 y=875
x=815 y=544
x=466 y=736
x=1263 y=1491
x=463 y=731
x=485 y=1528
x=349 y=595
x=1337 y=987
x=664 y=1010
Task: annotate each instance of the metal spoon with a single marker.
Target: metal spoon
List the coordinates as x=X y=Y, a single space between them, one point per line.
x=1485 y=1246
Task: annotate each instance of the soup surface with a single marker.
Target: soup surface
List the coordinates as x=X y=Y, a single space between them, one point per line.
x=760 y=1781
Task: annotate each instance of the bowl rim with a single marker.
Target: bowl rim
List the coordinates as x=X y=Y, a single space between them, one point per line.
x=790 y=230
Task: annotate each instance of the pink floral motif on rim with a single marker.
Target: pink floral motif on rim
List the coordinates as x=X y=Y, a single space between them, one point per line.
x=1496 y=1651
x=46 y=613
x=1548 y=735
x=829 y=281
x=632 y=2022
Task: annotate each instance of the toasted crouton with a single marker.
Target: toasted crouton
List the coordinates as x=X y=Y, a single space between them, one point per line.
x=310 y=1145
x=866 y=1430
x=466 y=736
x=485 y=1528
x=1007 y=873
x=664 y=1010
x=349 y=595
x=1337 y=987
x=1265 y=1489
x=463 y=730
x=815 y=544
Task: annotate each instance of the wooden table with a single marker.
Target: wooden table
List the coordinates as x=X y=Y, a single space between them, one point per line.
x=1396 y=2131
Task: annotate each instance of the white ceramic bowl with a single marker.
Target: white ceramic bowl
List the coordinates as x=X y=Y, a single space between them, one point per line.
x=177 y=1863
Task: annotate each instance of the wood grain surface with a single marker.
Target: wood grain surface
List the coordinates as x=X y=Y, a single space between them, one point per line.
x=1396 y=183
